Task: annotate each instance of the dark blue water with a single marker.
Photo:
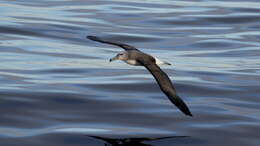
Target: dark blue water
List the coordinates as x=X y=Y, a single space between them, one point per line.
x=59 y=89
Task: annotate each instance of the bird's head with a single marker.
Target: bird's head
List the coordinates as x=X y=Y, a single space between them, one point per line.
x=120 y=56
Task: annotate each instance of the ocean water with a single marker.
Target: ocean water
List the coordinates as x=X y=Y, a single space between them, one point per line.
x=59 y=89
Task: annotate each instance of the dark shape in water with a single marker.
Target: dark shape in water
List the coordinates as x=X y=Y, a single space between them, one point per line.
x=133 y=56
x=131 y=141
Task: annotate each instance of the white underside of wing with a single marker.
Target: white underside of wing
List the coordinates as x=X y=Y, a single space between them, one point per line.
x=132 y=62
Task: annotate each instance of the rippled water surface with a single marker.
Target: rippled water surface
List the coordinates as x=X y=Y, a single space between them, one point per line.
x=59 y=89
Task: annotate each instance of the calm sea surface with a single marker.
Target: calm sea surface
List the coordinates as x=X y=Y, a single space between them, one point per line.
x=59 y=89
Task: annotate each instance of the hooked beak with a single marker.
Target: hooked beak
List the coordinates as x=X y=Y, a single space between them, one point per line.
x=112 y=59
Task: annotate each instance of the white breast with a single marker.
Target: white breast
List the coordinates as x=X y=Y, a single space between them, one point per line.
x=132 y=62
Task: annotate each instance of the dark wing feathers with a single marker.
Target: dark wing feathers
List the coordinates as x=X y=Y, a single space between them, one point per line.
x=124 y=46
x=166 y=86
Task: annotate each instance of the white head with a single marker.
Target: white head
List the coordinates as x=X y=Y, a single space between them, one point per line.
x=120 y=56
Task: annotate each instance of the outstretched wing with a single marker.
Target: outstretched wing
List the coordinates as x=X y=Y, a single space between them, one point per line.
x=124 y=46
x=166 y=86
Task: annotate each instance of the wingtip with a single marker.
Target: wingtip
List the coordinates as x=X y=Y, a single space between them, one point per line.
x=181 y=105
x=189 y=114
x=91 y=37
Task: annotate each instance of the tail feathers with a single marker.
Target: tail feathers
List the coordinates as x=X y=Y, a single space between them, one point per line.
x=167 y=63
x=159 y=62
x=177 y=101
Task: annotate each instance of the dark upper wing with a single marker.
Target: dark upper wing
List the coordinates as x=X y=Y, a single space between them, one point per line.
x=166 y=86
x=124 y=46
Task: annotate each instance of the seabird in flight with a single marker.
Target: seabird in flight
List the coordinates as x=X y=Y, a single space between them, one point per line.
x=133 y=56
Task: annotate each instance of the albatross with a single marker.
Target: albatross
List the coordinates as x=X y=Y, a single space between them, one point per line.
x=133 y=56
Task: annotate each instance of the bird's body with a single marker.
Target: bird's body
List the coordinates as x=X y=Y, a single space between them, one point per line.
x=136 y=63
x=133 y=62
x=133 y=56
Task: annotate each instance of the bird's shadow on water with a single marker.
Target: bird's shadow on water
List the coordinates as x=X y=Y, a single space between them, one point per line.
x=132 y=141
